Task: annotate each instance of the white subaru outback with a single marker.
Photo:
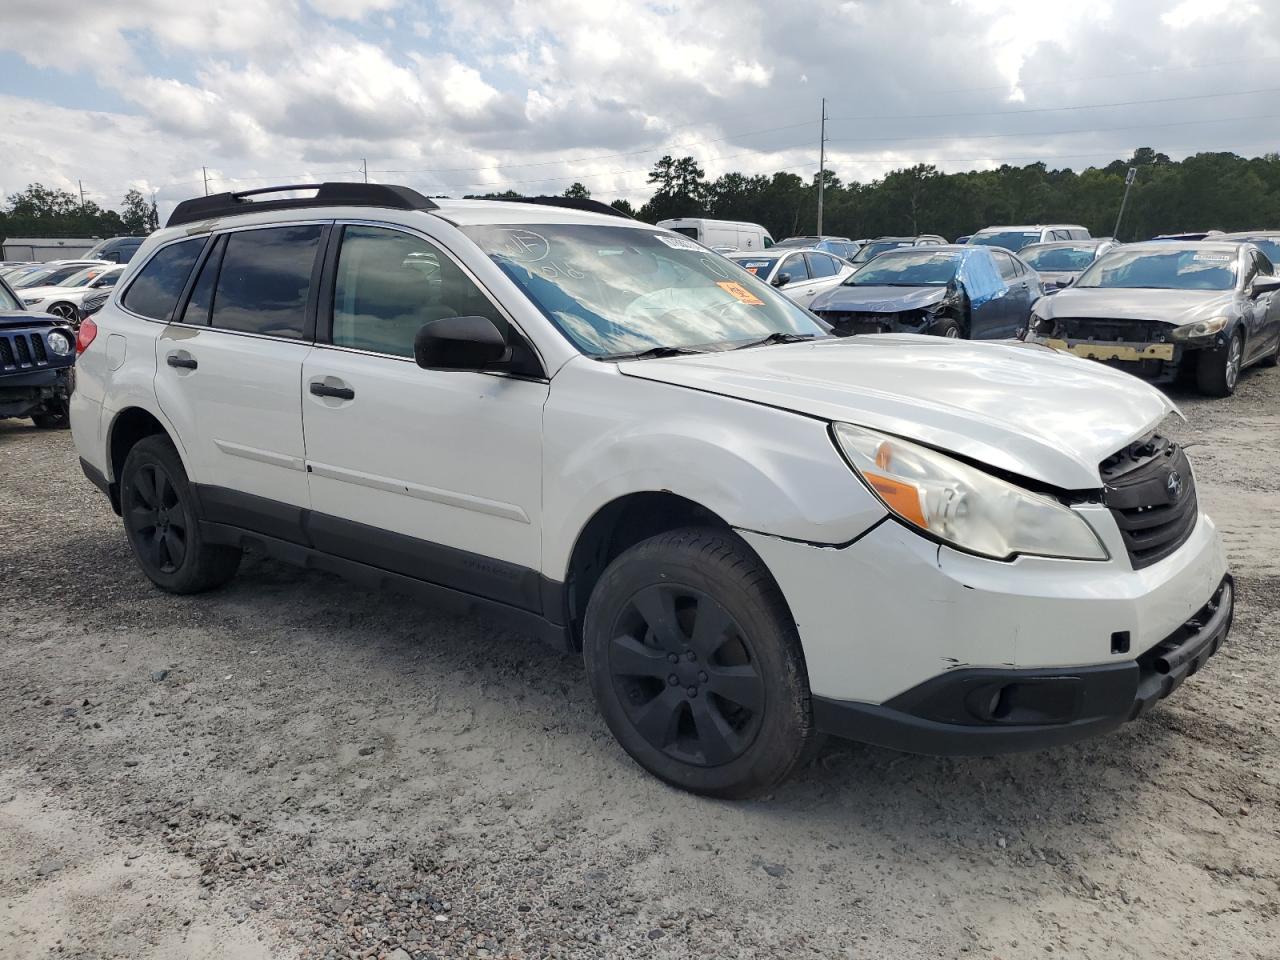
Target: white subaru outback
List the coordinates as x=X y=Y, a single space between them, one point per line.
x=754 y=531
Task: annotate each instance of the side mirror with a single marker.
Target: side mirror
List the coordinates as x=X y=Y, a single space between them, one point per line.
x=459 y=343
x=1264 y=283
x=781 y=280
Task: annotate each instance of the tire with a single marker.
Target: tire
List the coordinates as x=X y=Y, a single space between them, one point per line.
x=52 y=418
x=161 y=523
x=1218 y=370
x=716 y=699
x=949 y=328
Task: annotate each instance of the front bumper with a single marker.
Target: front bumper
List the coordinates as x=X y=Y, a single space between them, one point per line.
x=986 y=711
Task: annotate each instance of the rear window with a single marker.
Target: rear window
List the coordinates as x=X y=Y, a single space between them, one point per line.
x=1059 y=258
x=157 y=287
x=760 y=266
x=265 y=276
x=687 y=231
x=1013 y=240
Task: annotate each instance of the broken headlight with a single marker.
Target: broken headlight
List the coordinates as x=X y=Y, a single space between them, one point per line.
x=963 y=505
x=1201 y=328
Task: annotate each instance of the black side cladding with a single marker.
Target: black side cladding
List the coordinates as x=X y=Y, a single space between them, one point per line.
x=1151 y=492
x=331 y=194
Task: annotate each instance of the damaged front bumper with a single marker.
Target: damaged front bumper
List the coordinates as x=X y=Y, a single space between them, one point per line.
x=977 y=712
x=913 y=645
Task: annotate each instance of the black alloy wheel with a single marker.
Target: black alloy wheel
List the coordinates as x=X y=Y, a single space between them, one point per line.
x=157 y=519
x=685 y=674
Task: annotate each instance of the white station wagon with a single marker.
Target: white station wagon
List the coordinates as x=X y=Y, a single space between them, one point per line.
x=755 y=532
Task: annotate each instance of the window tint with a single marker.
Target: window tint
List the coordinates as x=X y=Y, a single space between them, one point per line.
x=1265 y=266
x=157 y=288
x=7 y=301
x=262 y=286
x=197 y=309
x=794 y=266
x=1004 y=263
x=110 y=280
x=390 y=283
x=820 y=266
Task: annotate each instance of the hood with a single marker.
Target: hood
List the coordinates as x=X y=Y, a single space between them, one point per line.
x=9 y=319
x=878 y=299
x=44 y=293
x=1020 y=407
x=1178 y=307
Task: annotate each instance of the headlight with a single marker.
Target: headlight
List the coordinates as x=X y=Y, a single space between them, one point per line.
x=32 y=301
x=59 y=343
x=1038 y=325
x=962 y=505
x=1201 y=328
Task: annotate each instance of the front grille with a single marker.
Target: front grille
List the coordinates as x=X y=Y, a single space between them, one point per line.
x=37 y=348
x=1107 y=331
x=1150 y=491
x=23 y=350
x=7 y=359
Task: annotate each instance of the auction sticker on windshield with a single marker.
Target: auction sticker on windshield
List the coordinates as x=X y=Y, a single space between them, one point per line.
x=679 y=243
x=739 y=293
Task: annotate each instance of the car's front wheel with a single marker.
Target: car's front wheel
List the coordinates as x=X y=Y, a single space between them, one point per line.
x=161 y=523
x=1218 y=370
x=696 y=665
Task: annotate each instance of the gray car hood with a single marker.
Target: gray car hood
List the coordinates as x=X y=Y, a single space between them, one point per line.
x=1019 y=407
x=871 y=299
x=1178 y=307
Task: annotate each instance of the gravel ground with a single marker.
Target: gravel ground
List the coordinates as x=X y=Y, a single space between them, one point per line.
x=292 y=767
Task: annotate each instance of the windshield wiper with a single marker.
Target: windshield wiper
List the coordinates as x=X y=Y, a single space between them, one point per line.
x=652 y=353
x=779 y=337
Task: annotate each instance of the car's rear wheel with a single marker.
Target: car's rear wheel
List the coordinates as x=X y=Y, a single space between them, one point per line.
x=1218 y=370
x=161 y=523
x=696 y=665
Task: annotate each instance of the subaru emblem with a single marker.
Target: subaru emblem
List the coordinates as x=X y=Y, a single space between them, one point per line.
x=1174 y=485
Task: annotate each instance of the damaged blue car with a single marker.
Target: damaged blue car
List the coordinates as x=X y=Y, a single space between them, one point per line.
x=967 y=292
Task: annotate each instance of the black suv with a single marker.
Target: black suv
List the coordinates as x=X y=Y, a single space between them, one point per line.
x=37 y=353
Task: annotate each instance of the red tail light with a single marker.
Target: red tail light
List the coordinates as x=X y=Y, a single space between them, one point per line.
x=84 y=336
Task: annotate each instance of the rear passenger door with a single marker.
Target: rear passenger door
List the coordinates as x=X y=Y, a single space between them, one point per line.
x=229 y=369
x=435 y=474
x=1015 y=305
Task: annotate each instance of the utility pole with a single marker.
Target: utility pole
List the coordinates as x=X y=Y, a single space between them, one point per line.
x=1128 y=182
x=205 y=171
x=364 y=168
x=822 y=162
x=81 y=183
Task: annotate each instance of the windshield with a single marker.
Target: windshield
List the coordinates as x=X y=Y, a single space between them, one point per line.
x=907 y=268
x=877 y=247
x=82 y=278
x=1059 y=258
x=1013 y=240
x=8 y=302
x=617 y=290
x=1174 y=270
x=52 y=276
x=760 y=266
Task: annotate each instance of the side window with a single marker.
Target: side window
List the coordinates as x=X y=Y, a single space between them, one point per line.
x=262 y=286
x=795 y=268
x=110 y=280
x=390 y=283
x=821 y=265
x=1263 y=265
x=157 y=287
x=1251 y=270
x=201 y=300
x=7 y=300
x=1005 y=264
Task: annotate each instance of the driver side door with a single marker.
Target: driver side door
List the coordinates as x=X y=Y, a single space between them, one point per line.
x=433 y=474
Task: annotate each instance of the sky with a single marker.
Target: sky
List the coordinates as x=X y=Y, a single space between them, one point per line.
x=468 y=96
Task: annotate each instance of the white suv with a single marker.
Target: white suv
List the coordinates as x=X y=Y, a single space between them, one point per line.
x=754 y=531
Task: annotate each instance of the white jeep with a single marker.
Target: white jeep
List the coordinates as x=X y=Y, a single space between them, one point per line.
x=754 y=531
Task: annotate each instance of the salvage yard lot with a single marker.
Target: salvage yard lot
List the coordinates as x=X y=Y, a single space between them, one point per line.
x=292 y=766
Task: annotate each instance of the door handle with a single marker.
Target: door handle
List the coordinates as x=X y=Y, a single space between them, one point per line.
x=324 y=390
x=184 y=362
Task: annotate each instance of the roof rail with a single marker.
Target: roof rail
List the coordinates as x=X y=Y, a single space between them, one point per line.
x=569 y=203
x=331 y=194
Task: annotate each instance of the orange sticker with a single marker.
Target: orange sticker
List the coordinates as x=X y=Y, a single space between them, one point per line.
x=739 y=293
x=752 y=270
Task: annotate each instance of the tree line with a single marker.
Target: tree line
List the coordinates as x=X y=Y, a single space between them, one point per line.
x=40 y=211
x=1221 y=191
